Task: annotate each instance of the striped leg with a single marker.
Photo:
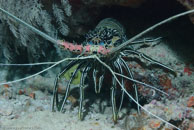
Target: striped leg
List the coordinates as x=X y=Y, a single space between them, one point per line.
x=101 y=78
x=145 y=40
x=94 y=77
x=83 y=76
x=122 y=82
x=55 y=89
x=127 y=52
x=68 y=85
x=113 y=94
x=131 y=76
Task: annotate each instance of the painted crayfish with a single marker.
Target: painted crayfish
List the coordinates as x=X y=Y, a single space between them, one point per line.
x=102 y=52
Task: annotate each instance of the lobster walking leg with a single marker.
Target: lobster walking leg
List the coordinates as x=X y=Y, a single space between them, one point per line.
x=113 y=95
x=101 y=78
x=94 y=77
x=127 y=52
x=55 y=89
x=83 y=76
x=68 y=85
x=145 y=40
x=81 y=86
x=131 y=75
x=122 y=83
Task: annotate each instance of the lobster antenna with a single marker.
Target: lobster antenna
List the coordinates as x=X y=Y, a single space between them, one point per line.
x=118 y=48
x=44 y=35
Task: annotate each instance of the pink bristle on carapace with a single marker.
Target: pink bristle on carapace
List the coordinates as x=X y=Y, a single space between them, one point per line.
x=102 y=50
x=71 y=47
x=87 y=48
x=79 y=48
x=64 y=44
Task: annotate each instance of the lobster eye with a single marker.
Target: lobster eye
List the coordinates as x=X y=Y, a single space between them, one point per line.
x=91 y=43
x=101 y=43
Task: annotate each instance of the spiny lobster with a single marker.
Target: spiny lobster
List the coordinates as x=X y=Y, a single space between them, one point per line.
x=103 y=50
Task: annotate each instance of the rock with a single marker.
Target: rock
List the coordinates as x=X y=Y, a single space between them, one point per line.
x=190 y=102
x=6 y=111
x=41 y=83
x=6 y=92
x=39 y=108
x=155 y=123
x=39 y=94
x=134 y=122
x=191 y=126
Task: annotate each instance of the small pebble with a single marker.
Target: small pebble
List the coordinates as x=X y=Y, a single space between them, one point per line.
x=39 y=94
x=6 y=111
